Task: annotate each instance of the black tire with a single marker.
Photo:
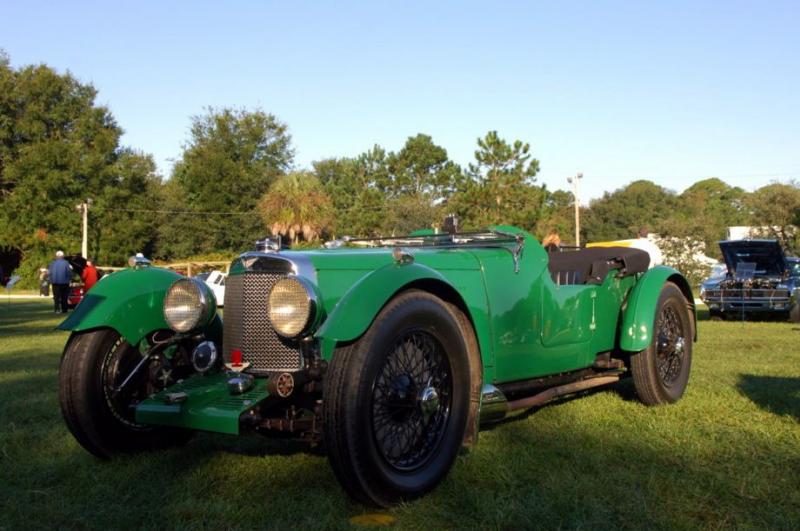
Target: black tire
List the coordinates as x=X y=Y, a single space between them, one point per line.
x=715 y=315
x=661 y=371
x=372 y=392
x=100 y=423
x=794 y=313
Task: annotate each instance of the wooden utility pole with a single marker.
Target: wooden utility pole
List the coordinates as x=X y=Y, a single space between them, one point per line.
x=83 y=208
x=574 y=181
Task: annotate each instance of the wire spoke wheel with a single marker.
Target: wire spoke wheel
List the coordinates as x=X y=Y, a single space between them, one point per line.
x=670 y=346
x=661 y=371
x=396 y=402
x=119 y=364
x=101 y=380
x=411 y=400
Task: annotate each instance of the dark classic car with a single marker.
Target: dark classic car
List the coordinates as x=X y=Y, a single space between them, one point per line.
x=391 y=353
x=759 y=280
x=76 y=292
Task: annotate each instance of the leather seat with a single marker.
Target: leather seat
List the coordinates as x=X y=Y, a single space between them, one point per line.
x=590 y=266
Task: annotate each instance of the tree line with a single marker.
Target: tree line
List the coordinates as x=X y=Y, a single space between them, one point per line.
x=236 y=181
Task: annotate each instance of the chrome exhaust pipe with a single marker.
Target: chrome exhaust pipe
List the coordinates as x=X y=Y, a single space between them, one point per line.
x=495 y=406
x=554 y=392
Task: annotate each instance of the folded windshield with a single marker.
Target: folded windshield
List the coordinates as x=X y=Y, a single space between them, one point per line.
x=478 y=239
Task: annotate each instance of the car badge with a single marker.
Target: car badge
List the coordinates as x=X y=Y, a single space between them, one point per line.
x=236 y=364
x=237 y=367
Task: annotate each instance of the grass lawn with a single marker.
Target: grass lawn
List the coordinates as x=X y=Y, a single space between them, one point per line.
x=727 y=455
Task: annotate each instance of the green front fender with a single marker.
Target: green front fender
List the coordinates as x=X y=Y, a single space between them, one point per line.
x=361 y=303
x=639 y=315
x=129 y=301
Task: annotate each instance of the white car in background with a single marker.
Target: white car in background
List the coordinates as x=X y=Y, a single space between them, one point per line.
x=216 y=281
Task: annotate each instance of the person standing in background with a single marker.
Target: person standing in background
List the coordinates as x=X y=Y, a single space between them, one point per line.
x=60 y=274
x=552 y=242
x=89 y=276
x=44 y=282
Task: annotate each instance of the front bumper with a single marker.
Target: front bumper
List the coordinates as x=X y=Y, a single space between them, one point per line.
x=208 y=406
x=748 y=305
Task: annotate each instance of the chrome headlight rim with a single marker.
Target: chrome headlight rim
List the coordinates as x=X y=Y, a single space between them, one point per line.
x=205 y=299
x=312 y=318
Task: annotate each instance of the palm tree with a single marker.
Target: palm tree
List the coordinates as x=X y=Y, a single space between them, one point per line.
x=296 y=206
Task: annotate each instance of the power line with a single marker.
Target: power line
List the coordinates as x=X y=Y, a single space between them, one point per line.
x=145 y=210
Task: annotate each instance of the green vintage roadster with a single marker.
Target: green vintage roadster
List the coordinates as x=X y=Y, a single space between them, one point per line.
x=392 y=353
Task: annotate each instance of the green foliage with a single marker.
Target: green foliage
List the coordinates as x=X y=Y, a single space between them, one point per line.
x=705 y=210
x=776 y=208
x=121 y=225
x=230 y=161
x=421 y=169
x=684 y=253
x=620 y=214
x=500 y=188
x=389 y=193
x=57 y=148
x=558 y=215
x=350 y=185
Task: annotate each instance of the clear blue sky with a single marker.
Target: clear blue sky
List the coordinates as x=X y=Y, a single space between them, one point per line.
x=669 y=91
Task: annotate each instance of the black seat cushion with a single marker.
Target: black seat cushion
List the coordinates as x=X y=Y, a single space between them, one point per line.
x=590 y=266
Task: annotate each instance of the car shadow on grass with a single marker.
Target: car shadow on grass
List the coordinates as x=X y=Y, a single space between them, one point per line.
x=29 y=360
x=776 y=394
x=257 y=445
x=28 y=318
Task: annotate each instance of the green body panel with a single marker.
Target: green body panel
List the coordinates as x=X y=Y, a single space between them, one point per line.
x=636 y=330
x=356 y=308
x=129 y=301
x=541 y=328
x=611 y=297
x=208 y=406
x=527 y=326
x=534 y=324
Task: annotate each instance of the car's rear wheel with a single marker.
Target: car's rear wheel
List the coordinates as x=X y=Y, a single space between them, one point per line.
x=98 y=409
x=396 y=401
x=661 y=371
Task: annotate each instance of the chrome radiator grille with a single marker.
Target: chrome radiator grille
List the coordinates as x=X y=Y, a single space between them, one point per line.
x=246 y=325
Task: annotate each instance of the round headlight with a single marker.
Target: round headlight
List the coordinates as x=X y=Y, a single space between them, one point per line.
x=292 y=305
x=187 y=305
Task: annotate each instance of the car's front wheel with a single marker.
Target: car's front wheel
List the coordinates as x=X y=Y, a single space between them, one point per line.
x=661 y=371
x=396 y=401
x=100 y=382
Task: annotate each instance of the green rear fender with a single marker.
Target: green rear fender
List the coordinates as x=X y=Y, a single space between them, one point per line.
x=639 y=315
x=129 y=301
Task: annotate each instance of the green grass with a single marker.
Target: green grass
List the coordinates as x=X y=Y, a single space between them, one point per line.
x=727 y=455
